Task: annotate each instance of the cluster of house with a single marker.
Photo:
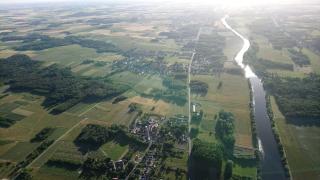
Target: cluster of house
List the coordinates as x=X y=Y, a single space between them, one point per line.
x=142 y=64
x=207 y=65
x=147 y=130
x=149 y=162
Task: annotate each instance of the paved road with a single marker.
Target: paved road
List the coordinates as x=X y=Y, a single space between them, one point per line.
x=56 y=141
x=189 y=93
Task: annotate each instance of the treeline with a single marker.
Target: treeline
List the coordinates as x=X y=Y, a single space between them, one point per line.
x=33 y=155
x=296 y=97
x=40 y=42
x=60 y=87
x=277 y=138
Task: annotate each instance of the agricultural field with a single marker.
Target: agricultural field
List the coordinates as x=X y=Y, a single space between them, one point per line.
x=145 y=91
x=91 y=45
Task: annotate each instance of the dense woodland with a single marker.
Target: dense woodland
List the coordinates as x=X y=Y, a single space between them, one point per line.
x=296 y=97
x=58 y=85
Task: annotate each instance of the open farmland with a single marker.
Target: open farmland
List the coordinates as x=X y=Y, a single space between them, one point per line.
x=151 y=90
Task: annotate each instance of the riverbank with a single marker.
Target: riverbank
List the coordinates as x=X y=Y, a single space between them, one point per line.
x=271 y=166
x=283 y=155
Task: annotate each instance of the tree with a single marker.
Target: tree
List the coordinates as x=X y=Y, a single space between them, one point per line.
x=206 y=160
x=24 y=175
x=219 y=85
x=228 y=170
x=225 y=130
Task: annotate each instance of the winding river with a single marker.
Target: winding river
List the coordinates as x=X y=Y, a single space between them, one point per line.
x=271 y=167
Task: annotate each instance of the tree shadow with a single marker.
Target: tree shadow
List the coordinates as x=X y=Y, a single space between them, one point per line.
x=304 y=121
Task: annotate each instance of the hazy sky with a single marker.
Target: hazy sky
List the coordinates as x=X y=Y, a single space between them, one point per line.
x=227 y=2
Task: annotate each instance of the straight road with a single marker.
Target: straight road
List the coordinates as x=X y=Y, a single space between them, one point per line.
x=189 y=93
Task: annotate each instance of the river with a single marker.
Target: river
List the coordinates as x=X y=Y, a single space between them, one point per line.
x=271 y=167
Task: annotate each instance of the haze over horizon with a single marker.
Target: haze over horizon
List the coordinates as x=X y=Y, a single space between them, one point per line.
x=174 y=1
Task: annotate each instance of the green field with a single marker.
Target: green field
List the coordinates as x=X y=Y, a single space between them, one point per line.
x=226 y=98
x=301 y=145
x=114 y=150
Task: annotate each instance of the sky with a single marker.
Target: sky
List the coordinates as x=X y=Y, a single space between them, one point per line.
x=231 y=3
x=204 y=1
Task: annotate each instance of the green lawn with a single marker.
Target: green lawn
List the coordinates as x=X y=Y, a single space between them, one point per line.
x=114 y=150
